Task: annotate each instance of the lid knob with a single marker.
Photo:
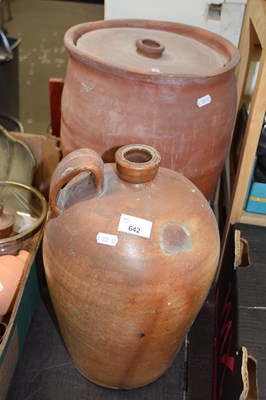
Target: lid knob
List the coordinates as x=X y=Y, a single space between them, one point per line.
x=150 y=48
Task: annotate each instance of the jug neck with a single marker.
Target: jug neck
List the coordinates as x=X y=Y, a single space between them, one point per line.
x=137 y=163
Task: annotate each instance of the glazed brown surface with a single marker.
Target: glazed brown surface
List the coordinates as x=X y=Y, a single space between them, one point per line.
x=181 y=102
x=125 y=309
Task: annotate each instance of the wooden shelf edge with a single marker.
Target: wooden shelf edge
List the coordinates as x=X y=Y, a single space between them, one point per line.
x=252 y=218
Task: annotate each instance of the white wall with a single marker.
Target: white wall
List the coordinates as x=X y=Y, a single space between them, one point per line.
x=193 y=12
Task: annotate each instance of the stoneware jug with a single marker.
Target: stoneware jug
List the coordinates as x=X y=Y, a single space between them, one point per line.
x=11 y=271
x=130 y=250
x=168 y=85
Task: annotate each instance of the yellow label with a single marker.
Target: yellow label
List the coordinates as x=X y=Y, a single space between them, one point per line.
x=258 y=199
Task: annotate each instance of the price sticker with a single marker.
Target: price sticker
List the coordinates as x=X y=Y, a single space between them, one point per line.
x=106 y=238
x=203 y=101
x=135 y=226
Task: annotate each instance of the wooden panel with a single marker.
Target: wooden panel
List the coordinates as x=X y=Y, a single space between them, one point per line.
x=253 y=38
x=55 y=92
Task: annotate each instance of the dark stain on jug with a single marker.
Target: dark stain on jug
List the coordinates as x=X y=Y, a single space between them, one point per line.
x=175 y=238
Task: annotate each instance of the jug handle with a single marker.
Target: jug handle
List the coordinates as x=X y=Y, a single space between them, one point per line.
x=76 y=162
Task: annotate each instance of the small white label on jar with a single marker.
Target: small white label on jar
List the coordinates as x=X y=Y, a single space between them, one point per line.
x=135 y=226
x=106 y=238
x=203 y=101
x=1 y=287
x=156 y=70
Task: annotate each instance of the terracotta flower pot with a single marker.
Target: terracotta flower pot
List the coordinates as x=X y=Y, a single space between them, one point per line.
x=168 y=85
x=130 y=250
x=11 y=271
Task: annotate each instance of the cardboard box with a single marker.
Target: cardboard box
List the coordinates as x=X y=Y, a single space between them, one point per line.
x=19 y=321
x=47 y=155
x=240 y=338
x=256 y=201
x=46 y=151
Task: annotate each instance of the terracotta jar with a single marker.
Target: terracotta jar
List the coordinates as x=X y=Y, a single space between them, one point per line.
x=130 y=250
x=11 y=271
x=168 y=85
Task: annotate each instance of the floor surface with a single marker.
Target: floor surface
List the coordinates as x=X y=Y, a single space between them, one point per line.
x=41 y=24
x=45 y=370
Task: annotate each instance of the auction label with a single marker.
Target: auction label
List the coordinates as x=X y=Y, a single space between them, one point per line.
x=203 y=101
x=135 y=226
x=106 y=238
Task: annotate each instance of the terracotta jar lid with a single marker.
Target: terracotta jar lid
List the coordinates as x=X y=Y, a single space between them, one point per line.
x=155 y=51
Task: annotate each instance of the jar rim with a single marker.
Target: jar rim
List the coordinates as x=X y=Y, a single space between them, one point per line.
x=210 y=39
x=137 y=163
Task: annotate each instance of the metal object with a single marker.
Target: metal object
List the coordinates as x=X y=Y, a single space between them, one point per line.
x=9 y=74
